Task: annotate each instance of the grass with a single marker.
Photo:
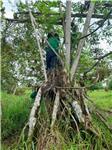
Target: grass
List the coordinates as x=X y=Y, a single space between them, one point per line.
x=16 y=109
x=101 y=98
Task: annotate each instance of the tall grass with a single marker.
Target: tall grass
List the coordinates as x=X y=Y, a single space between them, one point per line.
x=101 y=98
x=15 y=111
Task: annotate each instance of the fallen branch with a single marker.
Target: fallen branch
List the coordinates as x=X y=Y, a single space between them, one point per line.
x=103 y=120
x=78 y=111
x=71 y=116
x=70 y=87
x=22 y=134
x=99 y=114
x=106 y=111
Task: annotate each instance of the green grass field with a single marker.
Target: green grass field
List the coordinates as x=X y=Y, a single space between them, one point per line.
x=101 y=98
x=16 y=109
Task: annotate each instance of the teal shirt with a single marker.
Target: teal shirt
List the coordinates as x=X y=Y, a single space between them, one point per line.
x=54 y=42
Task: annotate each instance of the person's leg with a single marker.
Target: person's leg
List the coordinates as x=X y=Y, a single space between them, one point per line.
x=48 y=60
x=53 y=61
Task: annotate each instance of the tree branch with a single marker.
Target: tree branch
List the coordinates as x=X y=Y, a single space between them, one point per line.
x=101 y=24
x=82 y=41
x=17 y=20
x=99 y=59
x=96 y=16
x=78 y=15
x=59 y=22
x=38 y=43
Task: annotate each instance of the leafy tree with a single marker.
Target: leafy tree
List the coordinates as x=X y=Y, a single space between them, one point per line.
x=50 y=16
x=82 y=60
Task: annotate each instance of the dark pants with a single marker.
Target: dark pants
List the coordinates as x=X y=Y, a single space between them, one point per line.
x=51 y=60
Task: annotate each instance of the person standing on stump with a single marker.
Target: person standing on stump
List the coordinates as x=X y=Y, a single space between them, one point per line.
x=51 y=57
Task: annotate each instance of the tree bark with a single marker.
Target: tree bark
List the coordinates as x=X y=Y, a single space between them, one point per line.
x=68 y=32
x=55 y=109
x=14 y=91
x=38 y=43
x=32 y=118
x=82 y=41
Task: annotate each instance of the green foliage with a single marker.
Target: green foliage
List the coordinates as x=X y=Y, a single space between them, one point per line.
x=86 y=60
x=96 y=86
x=15 y=112
x=105 y=135
x=47 y=9
x=20 y=55
x=110 y=85
x=7 y=68
x=103 y=100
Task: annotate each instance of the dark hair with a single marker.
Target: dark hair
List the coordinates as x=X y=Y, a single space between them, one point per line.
x=56 y=35
x=49 y=35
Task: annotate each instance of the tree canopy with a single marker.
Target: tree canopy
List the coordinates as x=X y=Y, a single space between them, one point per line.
x=21 y=63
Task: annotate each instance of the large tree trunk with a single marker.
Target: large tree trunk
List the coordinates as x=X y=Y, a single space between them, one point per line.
x=59 y=85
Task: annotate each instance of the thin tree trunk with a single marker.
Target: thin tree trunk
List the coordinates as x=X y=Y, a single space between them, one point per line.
x=68 y=32
x=32 y=118
x=14 y=91
x=38 y=43
x=82 y=41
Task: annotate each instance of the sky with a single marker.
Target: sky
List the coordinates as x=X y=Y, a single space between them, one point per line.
x=10 y=7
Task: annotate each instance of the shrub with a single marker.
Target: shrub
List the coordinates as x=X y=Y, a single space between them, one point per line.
x=96 y=86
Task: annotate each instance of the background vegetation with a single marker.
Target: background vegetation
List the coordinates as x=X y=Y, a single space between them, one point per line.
x=15 y=113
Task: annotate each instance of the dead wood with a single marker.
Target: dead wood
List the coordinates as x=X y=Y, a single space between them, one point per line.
x=60 y=103
x=32 y=118
x=55 y=108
